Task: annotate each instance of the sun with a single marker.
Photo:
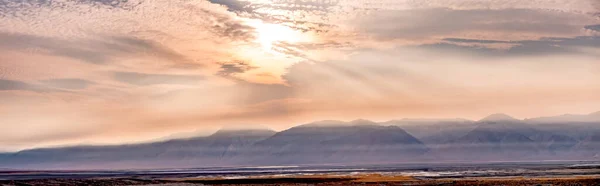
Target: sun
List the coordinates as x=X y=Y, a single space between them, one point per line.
x=270 y=58
x=268 y=34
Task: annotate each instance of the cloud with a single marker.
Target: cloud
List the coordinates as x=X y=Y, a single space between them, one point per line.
x=22 y=42
x=557 y=5
x=234 y=5
x=596 y=6
x=460 y=40
x=112 y=3
x=593 y=27
x=225 y=26
x=95 y=51
x=142 y=79
x=236 y=67
x=128 y=44
x=427 y=17
x=259 y=8
x=72 y=84
x=557 y=46
x=9 y=85
x=10 y=8
x=505 y=24
x=17 y=85
x=163 y=34
x=542 y=47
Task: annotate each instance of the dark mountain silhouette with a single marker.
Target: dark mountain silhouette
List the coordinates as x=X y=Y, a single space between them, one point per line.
x=590 y=147
x=499 y=118
x=571 y=118
x=191 y=152
x=438 y=131
x=499 y=128
x=359 y=140
x=579 y=127
x=491 y=140
x=501 y=137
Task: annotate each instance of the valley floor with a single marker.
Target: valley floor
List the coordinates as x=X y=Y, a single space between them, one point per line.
x=532 y=173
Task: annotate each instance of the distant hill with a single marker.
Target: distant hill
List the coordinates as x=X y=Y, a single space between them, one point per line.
x=434 y=131
x=359 y=140
x=190 y=152
x=501 y=137
x=587 y=118
x=590 y=146
x=498 y=137
x=499 y=118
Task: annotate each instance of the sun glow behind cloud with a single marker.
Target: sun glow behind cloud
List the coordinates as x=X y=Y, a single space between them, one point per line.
x=269 y=34
x=272 y=51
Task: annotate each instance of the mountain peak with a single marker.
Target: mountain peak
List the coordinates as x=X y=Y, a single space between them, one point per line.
x=499 y=117
x=362 y=122
x=409 y=121
x=243 y=132
x=323 y=123
x=336 y=123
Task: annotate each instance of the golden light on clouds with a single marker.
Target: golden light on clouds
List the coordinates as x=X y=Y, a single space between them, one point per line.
x=269 y=34
x=271 y=59
x=167 y=66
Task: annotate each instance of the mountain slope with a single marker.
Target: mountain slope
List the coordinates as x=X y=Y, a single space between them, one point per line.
x=434 y=131
x=571 y=118
x=501 y=137
x=590 y=147
x=499 y=117
x=192 y=152
x=362 y=141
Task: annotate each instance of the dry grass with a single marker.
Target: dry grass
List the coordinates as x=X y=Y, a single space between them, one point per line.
x=378 y=178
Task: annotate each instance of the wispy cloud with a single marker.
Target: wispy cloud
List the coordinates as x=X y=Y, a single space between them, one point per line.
x=156 y=79
x=234 y=5
x=593 y=27
x=229 y=69
x=72 y=84
x=542 y=47
x=18 y=85
x=96 y=51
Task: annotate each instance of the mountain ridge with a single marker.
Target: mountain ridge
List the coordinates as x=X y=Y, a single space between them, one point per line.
x=591 y=117
x=495 y=138
x=498 y=117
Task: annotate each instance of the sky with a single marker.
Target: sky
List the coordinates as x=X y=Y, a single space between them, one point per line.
x=125 y=71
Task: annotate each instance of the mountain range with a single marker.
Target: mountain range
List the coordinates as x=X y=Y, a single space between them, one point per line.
x=498 y=137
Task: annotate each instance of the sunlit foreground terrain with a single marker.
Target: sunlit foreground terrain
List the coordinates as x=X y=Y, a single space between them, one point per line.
x=361 y=180
x=564 y=173
x=370 y=179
